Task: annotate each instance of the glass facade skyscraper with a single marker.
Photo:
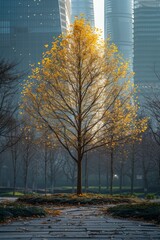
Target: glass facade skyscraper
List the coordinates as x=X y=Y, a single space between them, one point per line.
x=147 y=45
x=118 y=25
x=27 y=25
x=84 y=7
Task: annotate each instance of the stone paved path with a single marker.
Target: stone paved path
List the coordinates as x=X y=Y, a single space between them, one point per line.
x=80 y=223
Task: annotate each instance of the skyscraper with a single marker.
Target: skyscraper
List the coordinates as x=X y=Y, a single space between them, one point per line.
x=118 y=25
x=84 y=7
x=27 y=25
x=147 y=45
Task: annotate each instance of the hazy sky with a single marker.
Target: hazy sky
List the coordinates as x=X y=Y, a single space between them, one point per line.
x=99 y=13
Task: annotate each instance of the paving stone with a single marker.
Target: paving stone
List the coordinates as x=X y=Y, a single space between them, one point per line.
x=79 y=223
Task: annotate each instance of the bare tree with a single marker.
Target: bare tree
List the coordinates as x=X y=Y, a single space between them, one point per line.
x=9 y=82
x=70 y=170
x=56 y=163
x=14 y=138
x=28 y=151
x=152 y=107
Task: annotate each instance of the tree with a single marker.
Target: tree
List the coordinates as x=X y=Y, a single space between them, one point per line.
x=72 y=90
x=123 y=156
x=69 y=169
x=14 y=138
x=55 y=160
x=147 y=157
x=47 y=148
x=28 y=148
x=152 y=106
x=9 y=80
x=125 y=125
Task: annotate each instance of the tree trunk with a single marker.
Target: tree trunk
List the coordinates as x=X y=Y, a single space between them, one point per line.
x=52 y=178
x=35 y=176
x=25 y=177
x=86 y=173
x=132 y=170
x=121 y=176
x=52 y=185
x=14 y=159
x=14 y=176
x=25 y=183
x=145 y=180
x=99 y=176
x=107 y=177
x=145 y=183
x=79 y=177
x=73 y=184
x=45 y=170
x=45 y=178
x=14 y=182
x=159 y=172
x=111 y=177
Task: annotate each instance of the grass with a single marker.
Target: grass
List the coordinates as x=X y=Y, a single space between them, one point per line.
x=142 y=211
x=10 y=194
x=73 y=199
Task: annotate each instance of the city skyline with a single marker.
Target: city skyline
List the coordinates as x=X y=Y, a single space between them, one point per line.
x=26 y=26
x=83 y=7
x=146 y=45
x=118 y=26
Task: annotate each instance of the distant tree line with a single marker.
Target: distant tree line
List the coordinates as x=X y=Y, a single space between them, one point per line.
x=30 y=163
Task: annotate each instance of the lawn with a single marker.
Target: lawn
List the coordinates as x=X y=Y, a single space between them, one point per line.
x=10 y=194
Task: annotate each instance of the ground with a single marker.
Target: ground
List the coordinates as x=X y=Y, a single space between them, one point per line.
x=88 y=216
x=79 y=222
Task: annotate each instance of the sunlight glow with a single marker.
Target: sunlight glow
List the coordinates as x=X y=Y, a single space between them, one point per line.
x=99 y=13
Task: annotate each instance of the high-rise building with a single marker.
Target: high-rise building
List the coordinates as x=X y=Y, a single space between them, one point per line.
x=84 y=8
x=118 y=25
x=147 y=45
x=27 y=25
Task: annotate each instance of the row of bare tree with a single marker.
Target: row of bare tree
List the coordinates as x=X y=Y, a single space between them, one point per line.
x=30 y=167
x=25 y=159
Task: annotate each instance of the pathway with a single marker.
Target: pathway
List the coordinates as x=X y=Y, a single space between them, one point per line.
x=80 y=223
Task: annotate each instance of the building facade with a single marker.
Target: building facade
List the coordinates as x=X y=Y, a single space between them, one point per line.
x=84 y=8
x=147 y=46
x=118 y=25
x=27 y=25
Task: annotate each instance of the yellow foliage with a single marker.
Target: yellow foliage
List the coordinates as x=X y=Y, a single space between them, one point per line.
x=81 y=91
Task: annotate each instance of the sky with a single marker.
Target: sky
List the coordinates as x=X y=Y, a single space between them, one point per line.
x=99 y=13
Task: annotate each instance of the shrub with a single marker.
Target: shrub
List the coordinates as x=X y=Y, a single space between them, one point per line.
x=150 y=196
x=9 y=212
